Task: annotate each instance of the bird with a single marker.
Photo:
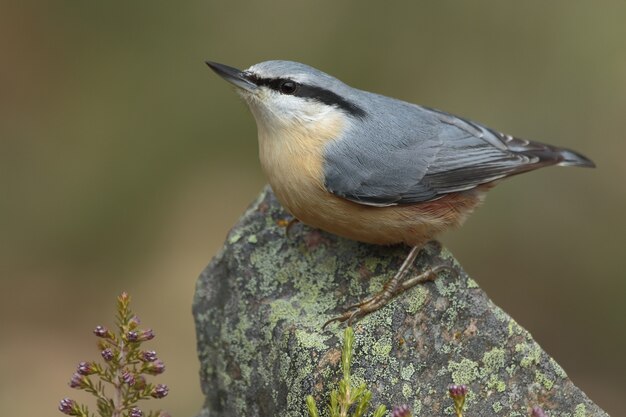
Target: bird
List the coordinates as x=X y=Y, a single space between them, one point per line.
x=373 y=168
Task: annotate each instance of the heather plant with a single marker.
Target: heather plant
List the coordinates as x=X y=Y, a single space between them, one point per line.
x=349 y=401
x=120 y=381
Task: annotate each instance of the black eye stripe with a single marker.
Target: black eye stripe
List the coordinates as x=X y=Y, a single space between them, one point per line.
x=313 y=92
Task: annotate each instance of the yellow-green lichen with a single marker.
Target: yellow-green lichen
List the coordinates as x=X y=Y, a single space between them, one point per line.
x=497 y=406
x=407 y=372
x=406 y=390
x=493 y=360
x=495 y=383
x=515 y=328
x=444 y=289
x=471 y=283
x=531 y=352
x=281 y=310
x=235 y=236
x=380 y=318
x=417 y=406
x=371 y=264
x=580 y=410
x=499 y=314
x=463 y=372
x=542 y=379
x=376 y=284
x=269 y=276
x=252 y=239
x=511 y=369
x=381 y=349
x=311 y=340
x=449 y=410
x=416 y=298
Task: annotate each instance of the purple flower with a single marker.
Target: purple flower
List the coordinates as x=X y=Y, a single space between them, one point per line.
x=140 y=335
x=156 y=367
x=538 y=412
x=160 y=391
x=457 y=391
x=78 y=381
x=401 y=411
x=66 y=406
x=148 y=356
x=107 y=354
x=101 y=331
x=85 y=368
x=134 y=322
x=135 y=412
x=128 y=378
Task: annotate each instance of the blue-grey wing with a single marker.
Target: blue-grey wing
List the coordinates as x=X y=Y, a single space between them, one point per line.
x=420 y=154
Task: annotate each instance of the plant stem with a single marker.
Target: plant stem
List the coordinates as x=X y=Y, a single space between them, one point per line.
x=117 y=400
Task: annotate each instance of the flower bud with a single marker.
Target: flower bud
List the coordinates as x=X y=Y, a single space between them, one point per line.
x=85 y=368
x=155 y=368
x=139 y=335
x=128 y=378
x=148 y=356
x=160 y=391
x=102 y=331
x=457 y=391
x=107 y=354
x=78 y=381
x=66 y=406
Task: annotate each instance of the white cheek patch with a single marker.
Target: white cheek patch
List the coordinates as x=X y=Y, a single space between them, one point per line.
x=275 y=110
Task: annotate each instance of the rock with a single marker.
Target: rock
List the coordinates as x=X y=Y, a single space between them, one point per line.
x=260 y=305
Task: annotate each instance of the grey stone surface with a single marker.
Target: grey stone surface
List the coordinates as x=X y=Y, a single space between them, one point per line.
x=261 y=302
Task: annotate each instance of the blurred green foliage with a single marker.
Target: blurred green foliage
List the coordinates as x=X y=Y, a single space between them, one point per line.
x=124 y=161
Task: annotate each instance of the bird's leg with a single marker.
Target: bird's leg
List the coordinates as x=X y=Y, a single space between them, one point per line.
x=392 y=288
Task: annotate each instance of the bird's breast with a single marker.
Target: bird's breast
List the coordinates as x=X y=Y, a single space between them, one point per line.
x=292 y=158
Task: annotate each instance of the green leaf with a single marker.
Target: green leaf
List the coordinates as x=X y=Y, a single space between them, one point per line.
x=380 y=411
x=310 y=403
x=364 y=403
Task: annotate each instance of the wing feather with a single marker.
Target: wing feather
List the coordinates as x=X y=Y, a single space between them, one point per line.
x=416 y=154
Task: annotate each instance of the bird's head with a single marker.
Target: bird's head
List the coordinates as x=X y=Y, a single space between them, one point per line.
x=284 y=94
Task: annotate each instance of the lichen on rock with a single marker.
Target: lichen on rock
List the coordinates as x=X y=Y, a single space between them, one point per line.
x=260 y=305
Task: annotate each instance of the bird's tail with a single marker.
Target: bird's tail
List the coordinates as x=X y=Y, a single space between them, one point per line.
x=546 y=155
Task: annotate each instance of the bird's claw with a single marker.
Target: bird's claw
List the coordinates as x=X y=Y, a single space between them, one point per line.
x=371 y=304
x=352 y=313
x=288 y=225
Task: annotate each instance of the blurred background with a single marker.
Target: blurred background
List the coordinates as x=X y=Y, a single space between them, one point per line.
x=124 y=161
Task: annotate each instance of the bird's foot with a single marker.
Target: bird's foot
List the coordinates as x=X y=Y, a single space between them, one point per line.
x=371 y=304
x=288 y=225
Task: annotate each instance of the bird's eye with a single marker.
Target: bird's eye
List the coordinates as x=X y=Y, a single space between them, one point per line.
x=288 y=87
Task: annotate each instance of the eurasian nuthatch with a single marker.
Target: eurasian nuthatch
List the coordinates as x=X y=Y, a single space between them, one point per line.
x=373 y=168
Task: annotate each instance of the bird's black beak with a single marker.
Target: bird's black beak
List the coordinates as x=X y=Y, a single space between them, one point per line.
x=232 y=75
